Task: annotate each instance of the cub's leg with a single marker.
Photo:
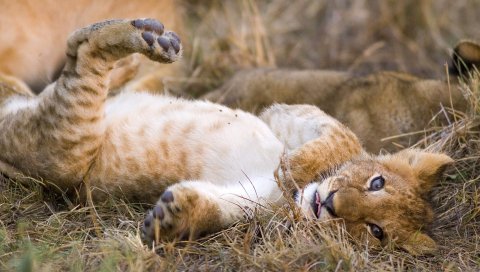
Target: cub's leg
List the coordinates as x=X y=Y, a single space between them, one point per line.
x=15 y=93
x=191 y=209
x=58 y=134
x=12 y=87
x=315 y=142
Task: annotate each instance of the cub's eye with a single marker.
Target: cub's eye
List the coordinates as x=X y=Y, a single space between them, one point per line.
x=377 y=183
x=376 y=231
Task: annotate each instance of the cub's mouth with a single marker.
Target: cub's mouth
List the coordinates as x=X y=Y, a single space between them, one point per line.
x=316 y=204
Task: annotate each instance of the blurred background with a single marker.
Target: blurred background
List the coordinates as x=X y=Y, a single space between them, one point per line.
x=222 y=37
x=360 y=36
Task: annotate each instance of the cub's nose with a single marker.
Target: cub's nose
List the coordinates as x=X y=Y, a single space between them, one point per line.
x=328 y=203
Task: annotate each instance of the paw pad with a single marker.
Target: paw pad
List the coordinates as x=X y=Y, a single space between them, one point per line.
x=158 y=212
x=175 y=45
x=149 y=25
x=164 y=43
x=175 y=36
x=148 y=37
x=148 y=221
x=154 y=31
x=167 y=197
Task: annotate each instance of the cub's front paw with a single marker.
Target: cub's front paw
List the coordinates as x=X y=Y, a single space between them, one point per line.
x=182 y=213
x=283 y=176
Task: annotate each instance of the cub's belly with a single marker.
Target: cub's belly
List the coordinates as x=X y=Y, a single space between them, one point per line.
x=154 y=141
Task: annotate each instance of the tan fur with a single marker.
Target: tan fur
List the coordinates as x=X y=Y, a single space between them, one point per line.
x=32 y=30
x=334 y=146
x=212 y=163
x=375 y=106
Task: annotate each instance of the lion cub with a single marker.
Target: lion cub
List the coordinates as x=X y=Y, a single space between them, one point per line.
x=376 y=106
x=207 y=164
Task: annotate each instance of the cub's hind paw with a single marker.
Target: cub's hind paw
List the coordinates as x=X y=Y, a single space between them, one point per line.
x=181 y=213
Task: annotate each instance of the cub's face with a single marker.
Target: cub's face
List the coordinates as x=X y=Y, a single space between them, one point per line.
x=381 y=199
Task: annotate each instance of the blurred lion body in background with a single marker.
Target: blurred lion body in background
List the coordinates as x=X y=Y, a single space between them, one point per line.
x=375 y=107
x=33 y=33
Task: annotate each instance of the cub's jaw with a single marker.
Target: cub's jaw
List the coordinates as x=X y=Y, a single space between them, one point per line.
x=310 y=198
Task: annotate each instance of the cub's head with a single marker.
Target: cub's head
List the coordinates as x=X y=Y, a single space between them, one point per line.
x=381 y=199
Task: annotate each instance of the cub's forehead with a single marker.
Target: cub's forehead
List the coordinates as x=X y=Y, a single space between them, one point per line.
x=400 y=206
x=361 y=170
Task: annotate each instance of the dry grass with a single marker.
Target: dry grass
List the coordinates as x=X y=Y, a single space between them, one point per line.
x=42 y=231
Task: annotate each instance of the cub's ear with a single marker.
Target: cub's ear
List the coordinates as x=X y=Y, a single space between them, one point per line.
x=428 y=167
x=420 y=244
x=465 y=58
